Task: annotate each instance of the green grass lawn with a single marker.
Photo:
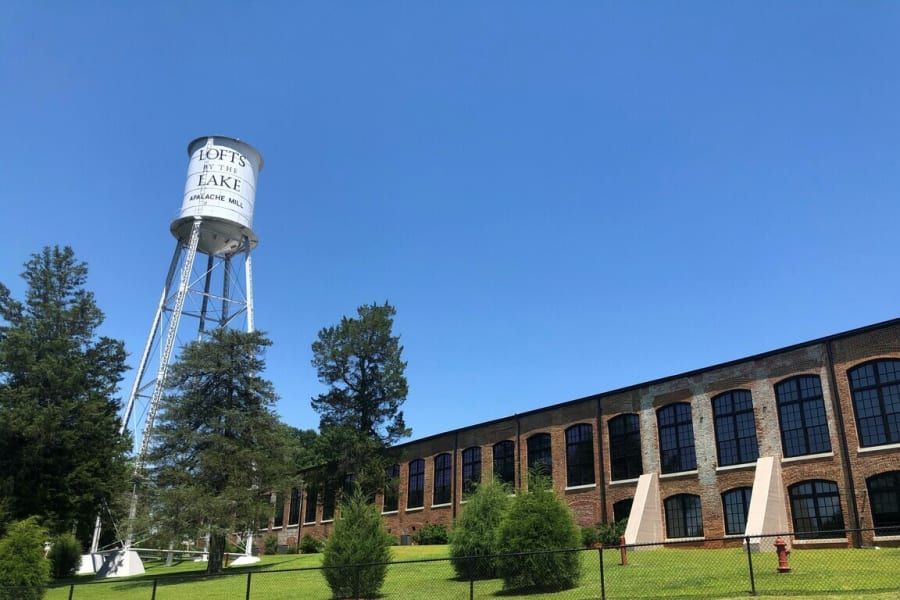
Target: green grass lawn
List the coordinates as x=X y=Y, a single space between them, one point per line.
x=650 y=574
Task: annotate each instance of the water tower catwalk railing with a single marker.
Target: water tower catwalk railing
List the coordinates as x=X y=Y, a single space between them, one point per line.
x=216 y=219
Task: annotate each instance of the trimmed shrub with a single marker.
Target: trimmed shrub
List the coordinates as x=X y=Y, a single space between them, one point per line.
x=589 y=537
x=609 y=533
x=473 y=542
x=24 y=572
x=432 y=535
x=310 y=545
x=270 y=544
x=65 y=556
x=357 y=551
x=537 y=522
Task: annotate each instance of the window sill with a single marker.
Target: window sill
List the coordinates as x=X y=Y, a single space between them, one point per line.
x=878 y=448
x=623 y=481
x=277 y=528
x=327 y=521
x=441 y=505
x=813 y=542
x=678 y=474
x=807 y=457
x=415 y=509
x=390 y=512
x=886 y=538
x=685 y=539
x=738 y=467
x=585 y=486
x=305 y=523
x=293 y=525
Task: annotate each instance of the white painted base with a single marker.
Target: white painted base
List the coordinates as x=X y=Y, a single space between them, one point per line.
x=244 y=559
x=121 y=564
x=89 y=565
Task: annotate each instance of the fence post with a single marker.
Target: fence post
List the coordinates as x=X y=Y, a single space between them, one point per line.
x=249 y=575
x=472 y=587
x=602 y=578
x=153 y=593
x=71 y=591
x=750 y=563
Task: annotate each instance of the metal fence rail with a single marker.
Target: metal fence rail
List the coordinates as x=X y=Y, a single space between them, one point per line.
x=689 y=569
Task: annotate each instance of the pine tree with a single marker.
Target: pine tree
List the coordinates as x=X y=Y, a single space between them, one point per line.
x=61 y=454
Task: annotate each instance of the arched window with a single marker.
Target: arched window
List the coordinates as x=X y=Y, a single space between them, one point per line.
x=735 y=506
x=816 y=509
x=801 y=414
x=442 y=476
x=471 y=468
x=884 y=500
x=684 y=517
x=625 y=447
x=312 y=501
x=505 y=462
x=391 y=489
x=329 y=500
x=676 y=438
x=735 y=428
x=278 y=521
x=294 y=510
x=540 y=458
x=622 y=509
x=579 y=455
x=415 y=494
x=876 y=401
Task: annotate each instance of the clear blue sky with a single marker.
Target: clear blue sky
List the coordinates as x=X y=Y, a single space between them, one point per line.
x=560 y=198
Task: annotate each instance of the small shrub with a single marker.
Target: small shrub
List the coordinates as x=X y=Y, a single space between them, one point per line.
x=589 y=537
x=24 y=572
x=473 y=542
x=270 y=544
x=358 y=539
x=65 y=556
x=293 y=549
x=609 y=533
x=539 y=521
x=310 y=545
x=432 y=535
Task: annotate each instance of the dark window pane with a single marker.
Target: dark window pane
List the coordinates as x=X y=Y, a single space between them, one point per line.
x=801 y=414
x=735 y=428
x=471 y=468
x=884 y=500
x=312 y=500
x=505 y=462
x=415 y=495
x=391 y=488
x=676 y=438
x=736 y=505
x=294 y=510
x=816 y=509
x=539 y=456
x=876 y=401
x=579 y=455
x=684 y=517
x=625 y=447
x=442 y=476
x=622 y=509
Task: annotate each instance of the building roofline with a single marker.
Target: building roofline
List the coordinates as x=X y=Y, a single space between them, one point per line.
x=822 y=340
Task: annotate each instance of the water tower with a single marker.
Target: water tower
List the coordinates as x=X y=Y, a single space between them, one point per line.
x=215 y=288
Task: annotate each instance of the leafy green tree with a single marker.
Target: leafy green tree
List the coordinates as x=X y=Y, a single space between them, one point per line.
x=218 y=445
x=358 y=550
x=542 y=527
x=360 y=361
x=61 y=452
x=474 y=540
x=24 y=572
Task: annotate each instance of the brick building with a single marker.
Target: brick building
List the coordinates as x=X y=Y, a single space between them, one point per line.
x=803 y=439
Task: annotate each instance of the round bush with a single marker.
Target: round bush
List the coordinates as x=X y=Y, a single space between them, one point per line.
x=24 y=572
x=473 y=542
x=539 y=525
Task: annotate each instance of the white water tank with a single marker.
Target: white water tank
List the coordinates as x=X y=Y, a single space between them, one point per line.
x=221 y=189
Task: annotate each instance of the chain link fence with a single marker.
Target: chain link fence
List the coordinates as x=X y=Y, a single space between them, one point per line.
x=708 y=568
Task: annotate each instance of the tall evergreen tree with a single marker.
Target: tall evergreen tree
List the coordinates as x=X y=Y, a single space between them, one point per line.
x=218 y=447
x=360 y=361
x=61 y=454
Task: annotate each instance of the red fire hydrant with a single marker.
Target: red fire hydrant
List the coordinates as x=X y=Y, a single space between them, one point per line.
x=782 y=551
